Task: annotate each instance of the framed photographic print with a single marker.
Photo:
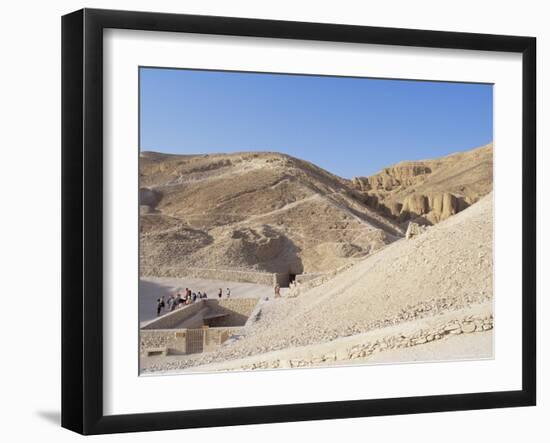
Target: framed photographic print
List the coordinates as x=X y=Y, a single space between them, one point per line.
x=268 y=221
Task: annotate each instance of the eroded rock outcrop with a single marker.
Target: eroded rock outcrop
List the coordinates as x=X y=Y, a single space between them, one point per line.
x=433 y=208
x=429 y=191
x=391 y=178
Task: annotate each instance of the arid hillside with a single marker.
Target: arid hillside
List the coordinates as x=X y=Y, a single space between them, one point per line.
x=429 y=191
x=442 y=276
x=254 y=211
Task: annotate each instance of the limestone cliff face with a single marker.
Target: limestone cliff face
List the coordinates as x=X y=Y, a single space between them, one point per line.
x=435 y=207
x=429 y=191
x=394 y=177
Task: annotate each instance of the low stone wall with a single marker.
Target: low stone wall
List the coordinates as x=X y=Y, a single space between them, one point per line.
x=467 y=325
x=261 y=278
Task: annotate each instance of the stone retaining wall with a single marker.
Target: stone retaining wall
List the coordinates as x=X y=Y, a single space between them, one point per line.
x=261 y=278
x=467 y=325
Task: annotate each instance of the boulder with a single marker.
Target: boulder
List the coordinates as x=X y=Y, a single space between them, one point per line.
x=414 y=229
x=468 y=327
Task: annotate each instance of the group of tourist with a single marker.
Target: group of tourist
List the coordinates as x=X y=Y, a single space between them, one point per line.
x=178 y=300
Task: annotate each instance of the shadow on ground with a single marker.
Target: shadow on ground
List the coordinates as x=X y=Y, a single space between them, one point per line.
x=53 y=417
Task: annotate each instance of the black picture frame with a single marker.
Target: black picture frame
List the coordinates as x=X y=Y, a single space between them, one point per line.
x=82 y=218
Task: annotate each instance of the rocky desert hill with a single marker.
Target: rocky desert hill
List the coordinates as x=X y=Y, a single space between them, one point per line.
x=429 y=191
x=254 y=211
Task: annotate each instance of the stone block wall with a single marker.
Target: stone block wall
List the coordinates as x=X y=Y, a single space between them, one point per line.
x=262 y=278
x=173 y=340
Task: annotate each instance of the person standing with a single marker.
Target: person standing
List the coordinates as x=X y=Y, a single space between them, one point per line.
x=277 y=291
x=220 y=293
x=159 y=306
x=228 y=293
x=174 y=302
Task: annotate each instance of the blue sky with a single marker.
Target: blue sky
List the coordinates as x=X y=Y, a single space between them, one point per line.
x=350 y=126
